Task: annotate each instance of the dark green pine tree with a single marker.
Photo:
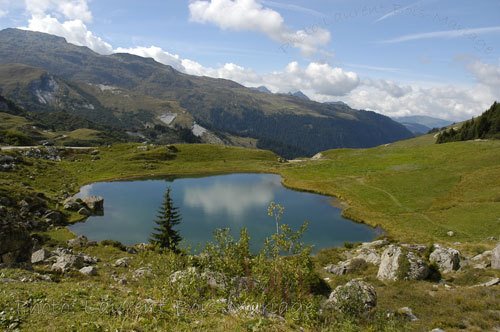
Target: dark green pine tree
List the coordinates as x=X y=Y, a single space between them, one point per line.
x=168 y=217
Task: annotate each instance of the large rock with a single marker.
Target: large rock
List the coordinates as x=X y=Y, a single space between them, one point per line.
x=495 y=258
x=65 y=262
x=40 y=256
x=399 y=264
x=369 y=255
x=355 y=297
x=72 y=204
x=94 y=203
x=447 y=259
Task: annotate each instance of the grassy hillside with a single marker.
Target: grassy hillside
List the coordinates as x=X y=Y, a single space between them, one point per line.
x=416 y=190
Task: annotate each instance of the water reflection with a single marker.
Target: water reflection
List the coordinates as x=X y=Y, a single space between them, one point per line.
x=234 y=201
x=230 y=199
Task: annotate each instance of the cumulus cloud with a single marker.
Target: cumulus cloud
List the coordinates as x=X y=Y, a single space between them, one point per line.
x=390 y=87
x=75 y=32
x=250 y=15
x=444 y=101
x=486 y=74
x=46 y=14
x=316 y=78
x=71 y=9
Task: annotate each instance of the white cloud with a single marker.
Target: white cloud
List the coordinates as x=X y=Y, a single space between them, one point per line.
x=316 y=78
x=390 y=87
x=471 y=33
x=45 y=16
x=250 y=15
x=71 y=9
x=443 y=101
x=75 y=32
x=486 y=74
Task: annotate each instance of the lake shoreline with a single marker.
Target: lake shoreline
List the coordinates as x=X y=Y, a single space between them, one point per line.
x=334 y=202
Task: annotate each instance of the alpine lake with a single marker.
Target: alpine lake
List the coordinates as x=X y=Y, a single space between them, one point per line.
x=233 y=201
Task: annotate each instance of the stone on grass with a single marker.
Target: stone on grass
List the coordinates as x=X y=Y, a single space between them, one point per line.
x=406 y=313
x=399 y=264
x=89 y=270
x=40 y=256
x=495 y=258
x=142 y=272
x=65 y=262
x=355 y=297
x=447 y=259
x=122 y=262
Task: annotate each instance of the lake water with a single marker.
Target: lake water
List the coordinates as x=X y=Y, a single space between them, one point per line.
x=206 y=203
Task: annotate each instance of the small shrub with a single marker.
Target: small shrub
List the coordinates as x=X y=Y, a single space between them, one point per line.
x=428 y=251
x=348 y=245
x=404 y=265
x=358 y=265
x=113 y=243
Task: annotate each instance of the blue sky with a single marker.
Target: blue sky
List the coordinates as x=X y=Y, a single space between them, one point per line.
x=439 y=58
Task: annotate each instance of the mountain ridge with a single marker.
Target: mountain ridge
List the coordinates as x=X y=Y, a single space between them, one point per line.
x=288 y=125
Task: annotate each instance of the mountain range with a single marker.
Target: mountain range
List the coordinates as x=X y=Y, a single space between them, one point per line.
x=137 y=98
x=421 y=124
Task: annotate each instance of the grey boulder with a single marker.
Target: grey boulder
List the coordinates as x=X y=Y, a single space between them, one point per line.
x=447 y=259
x=399 y=264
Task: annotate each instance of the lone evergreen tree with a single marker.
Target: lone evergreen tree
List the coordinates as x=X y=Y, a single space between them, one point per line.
x=168 y=217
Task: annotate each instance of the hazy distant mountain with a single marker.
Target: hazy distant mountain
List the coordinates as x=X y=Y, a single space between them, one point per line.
x=44 y=73
x=299 y=94
x=423 y=120
x=262 y=89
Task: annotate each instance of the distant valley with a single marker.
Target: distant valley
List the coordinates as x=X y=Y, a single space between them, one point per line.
x=419 y=125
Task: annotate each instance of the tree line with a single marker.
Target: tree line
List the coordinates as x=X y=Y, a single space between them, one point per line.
x=486 y=126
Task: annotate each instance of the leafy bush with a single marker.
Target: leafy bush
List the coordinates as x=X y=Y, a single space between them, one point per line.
x=113 y=243
x=14 y=137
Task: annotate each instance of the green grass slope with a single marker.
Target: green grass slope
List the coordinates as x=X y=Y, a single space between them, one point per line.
x=414 y=189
